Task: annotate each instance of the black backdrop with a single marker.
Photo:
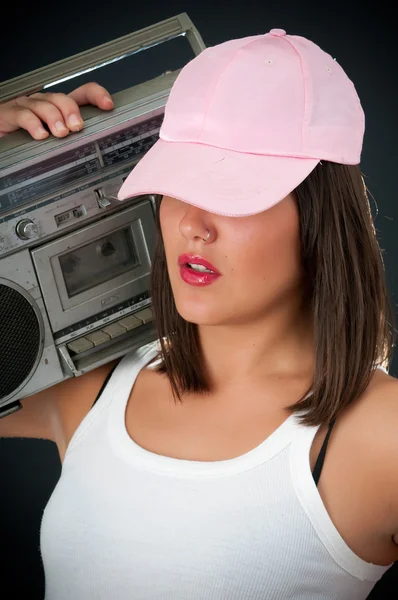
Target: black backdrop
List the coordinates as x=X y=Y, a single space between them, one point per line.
x=360 y=35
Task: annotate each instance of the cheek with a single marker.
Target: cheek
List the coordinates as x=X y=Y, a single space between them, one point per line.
x=164 y=215
x=266 y=256
x=168 y=219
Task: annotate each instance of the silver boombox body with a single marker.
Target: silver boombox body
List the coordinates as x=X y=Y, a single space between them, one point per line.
x=74 y=261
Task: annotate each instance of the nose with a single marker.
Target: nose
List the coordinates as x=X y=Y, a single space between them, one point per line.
x=195 y=225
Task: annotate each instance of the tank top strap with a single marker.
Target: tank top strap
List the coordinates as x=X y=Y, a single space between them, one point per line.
x=117 y=389
x=312 y=503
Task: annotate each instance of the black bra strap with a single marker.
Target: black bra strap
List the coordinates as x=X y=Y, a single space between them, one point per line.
x=319 y=463
x=107 y=378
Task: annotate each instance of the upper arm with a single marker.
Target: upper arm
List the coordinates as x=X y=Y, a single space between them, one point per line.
x=395 y=461
x=50 y=413
x=56 y=412
x=33 y=420
x=386 y=430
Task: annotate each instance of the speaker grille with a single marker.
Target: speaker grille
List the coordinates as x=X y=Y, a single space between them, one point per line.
x=19 y=339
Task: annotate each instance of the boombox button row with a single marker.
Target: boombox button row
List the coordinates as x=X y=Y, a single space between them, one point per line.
x=114 y=330
x=96 y=338
x=145 y=315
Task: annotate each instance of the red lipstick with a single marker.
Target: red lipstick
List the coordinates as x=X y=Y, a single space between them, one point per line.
x=195 y=270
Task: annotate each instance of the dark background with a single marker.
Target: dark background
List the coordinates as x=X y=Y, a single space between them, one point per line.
x=362 y=38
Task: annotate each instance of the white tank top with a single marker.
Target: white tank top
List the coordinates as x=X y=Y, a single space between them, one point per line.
x=124 y=523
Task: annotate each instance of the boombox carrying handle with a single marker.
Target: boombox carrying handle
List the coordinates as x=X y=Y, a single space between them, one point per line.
x=37 y=80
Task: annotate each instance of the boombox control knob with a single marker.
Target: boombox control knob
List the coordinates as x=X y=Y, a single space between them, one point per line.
x=26 y=229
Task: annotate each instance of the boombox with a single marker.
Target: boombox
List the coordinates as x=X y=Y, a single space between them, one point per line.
x=74 y=261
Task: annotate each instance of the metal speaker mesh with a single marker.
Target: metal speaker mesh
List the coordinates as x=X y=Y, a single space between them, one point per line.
x=19 y=339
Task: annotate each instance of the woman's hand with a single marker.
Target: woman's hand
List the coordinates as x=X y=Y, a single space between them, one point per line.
x=59 y=111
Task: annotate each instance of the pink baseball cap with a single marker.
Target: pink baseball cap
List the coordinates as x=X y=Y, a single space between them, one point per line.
x=247 y=121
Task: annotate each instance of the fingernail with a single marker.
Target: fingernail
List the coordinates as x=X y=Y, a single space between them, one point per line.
x=75 y=121
x=41 y=132
x=108 y=100
x=60 y=127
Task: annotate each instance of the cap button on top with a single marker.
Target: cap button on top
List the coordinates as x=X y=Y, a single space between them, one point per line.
x=278 y=32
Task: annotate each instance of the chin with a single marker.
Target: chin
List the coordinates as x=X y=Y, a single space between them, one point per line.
x=199 y=313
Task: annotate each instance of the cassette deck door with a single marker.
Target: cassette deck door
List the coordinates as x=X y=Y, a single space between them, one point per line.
x=78 y=273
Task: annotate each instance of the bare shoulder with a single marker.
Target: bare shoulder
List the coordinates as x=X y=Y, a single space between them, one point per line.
x=55 y=412
x=359 y=482
x=371 y=428
x=377 y=409
x=373 y=419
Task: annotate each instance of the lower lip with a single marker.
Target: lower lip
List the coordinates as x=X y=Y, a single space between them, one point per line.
x=195 y=278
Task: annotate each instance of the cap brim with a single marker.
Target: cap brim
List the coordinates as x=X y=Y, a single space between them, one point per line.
x=216 y=180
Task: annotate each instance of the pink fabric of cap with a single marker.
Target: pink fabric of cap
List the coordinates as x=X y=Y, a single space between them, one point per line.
x=247 y=121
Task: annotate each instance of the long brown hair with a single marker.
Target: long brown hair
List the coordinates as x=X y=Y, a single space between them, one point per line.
x=353 y=319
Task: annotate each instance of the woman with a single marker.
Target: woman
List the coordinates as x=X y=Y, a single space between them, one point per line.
x=200 y=472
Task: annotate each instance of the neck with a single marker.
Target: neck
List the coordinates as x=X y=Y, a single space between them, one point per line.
x=278 y=347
